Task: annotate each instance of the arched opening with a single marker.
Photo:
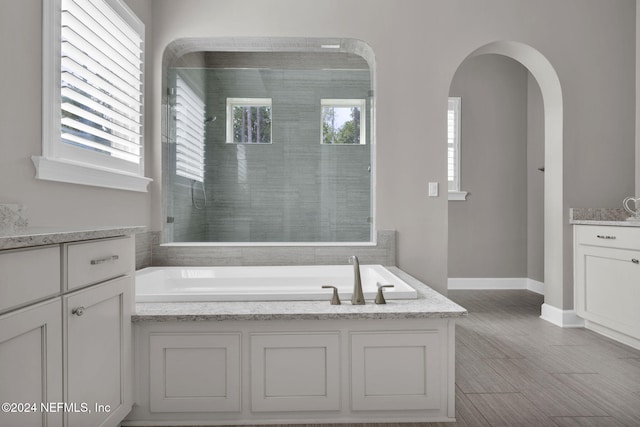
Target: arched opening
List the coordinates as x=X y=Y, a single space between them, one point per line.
x=542 y=71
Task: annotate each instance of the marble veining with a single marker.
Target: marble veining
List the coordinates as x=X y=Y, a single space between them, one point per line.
x=37 y=236
x=430 y=304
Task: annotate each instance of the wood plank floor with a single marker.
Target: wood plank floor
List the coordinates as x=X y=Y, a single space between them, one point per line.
x=515 y=369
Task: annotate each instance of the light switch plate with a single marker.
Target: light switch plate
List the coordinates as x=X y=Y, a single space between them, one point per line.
x=433 y=189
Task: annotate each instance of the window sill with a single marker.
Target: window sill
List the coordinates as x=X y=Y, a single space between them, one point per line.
x=49 y=169
x=458 y=195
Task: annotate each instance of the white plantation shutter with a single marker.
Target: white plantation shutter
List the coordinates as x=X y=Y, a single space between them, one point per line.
x=453 y=144
x=190 y=132
x=101 y=80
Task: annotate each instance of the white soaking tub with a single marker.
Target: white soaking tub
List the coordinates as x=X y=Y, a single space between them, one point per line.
x=271 y=283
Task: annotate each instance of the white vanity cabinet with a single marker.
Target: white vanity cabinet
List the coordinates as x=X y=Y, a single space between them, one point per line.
x=607 y=280
x=97 y=330
x=65 y=333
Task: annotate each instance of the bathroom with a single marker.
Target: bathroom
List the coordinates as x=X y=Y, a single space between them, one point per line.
x=417 y=48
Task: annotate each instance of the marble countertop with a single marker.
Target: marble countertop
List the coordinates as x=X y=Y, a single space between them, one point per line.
x=429 y=304
x=601 y=216
x=38 y=236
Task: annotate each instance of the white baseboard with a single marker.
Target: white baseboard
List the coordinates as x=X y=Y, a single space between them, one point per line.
x=535 y=286
x=562 y=318
x=497 y=283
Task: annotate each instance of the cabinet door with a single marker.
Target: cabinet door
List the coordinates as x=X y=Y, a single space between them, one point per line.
x=608 y=288
x=98 y=353
x=194 y=372
x=30 y=365
x=295 y=372
x=397 y=370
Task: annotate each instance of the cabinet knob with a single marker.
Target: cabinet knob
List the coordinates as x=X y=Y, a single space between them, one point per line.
x=635 y=261
x=78 y=311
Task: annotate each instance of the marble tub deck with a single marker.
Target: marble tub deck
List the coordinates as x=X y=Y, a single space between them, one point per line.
x=429 y=304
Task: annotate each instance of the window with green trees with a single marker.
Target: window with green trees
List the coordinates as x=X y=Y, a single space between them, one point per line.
x=343 y=121
x=249 y=120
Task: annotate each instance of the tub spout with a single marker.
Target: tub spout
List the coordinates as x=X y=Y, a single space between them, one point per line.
x=358 y=296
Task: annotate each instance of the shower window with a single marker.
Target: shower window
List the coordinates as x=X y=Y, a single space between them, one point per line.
x=343 y=121
x=249 y=120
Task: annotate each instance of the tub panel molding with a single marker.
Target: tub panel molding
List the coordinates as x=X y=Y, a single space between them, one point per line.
x=328 y=371
x=295 y=372
x=197 y=372
x=397 y=371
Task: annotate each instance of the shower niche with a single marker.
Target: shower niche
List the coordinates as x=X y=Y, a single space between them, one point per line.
x=268 y=141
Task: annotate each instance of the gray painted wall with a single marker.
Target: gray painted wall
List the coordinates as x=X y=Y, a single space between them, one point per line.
x=590 y=43
x=488 y=231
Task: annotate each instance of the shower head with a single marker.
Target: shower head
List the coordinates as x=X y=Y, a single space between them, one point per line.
x=210 y=119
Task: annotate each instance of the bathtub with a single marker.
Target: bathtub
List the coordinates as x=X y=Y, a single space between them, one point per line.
x=272 y=283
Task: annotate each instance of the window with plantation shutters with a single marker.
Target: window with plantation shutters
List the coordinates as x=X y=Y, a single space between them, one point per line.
x=93 y=104
x=453 y=149
x=190 y=128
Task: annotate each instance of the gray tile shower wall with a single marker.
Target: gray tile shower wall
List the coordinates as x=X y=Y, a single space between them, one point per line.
x=294 y=189
x=144 y=247
x=149 y=252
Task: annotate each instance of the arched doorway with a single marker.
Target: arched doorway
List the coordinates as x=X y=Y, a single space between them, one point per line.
x=549 y=83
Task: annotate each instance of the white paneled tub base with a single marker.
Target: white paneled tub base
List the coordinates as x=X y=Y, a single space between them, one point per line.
x=307 y=371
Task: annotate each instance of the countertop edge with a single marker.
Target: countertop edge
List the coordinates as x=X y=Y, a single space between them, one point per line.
x=41 y=236
x=605 y=222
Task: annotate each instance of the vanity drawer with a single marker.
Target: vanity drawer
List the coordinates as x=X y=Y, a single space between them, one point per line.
x=28 y=275
x=608 y=236
x=97 y=261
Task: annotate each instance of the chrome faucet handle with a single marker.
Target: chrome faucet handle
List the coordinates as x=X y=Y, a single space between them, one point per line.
x=380 y=296
x=335 y=300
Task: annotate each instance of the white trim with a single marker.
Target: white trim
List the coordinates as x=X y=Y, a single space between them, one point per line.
x=60 y=170
x=457 y=195
x=535 y=286
x=562 y=318
x=497 y=283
